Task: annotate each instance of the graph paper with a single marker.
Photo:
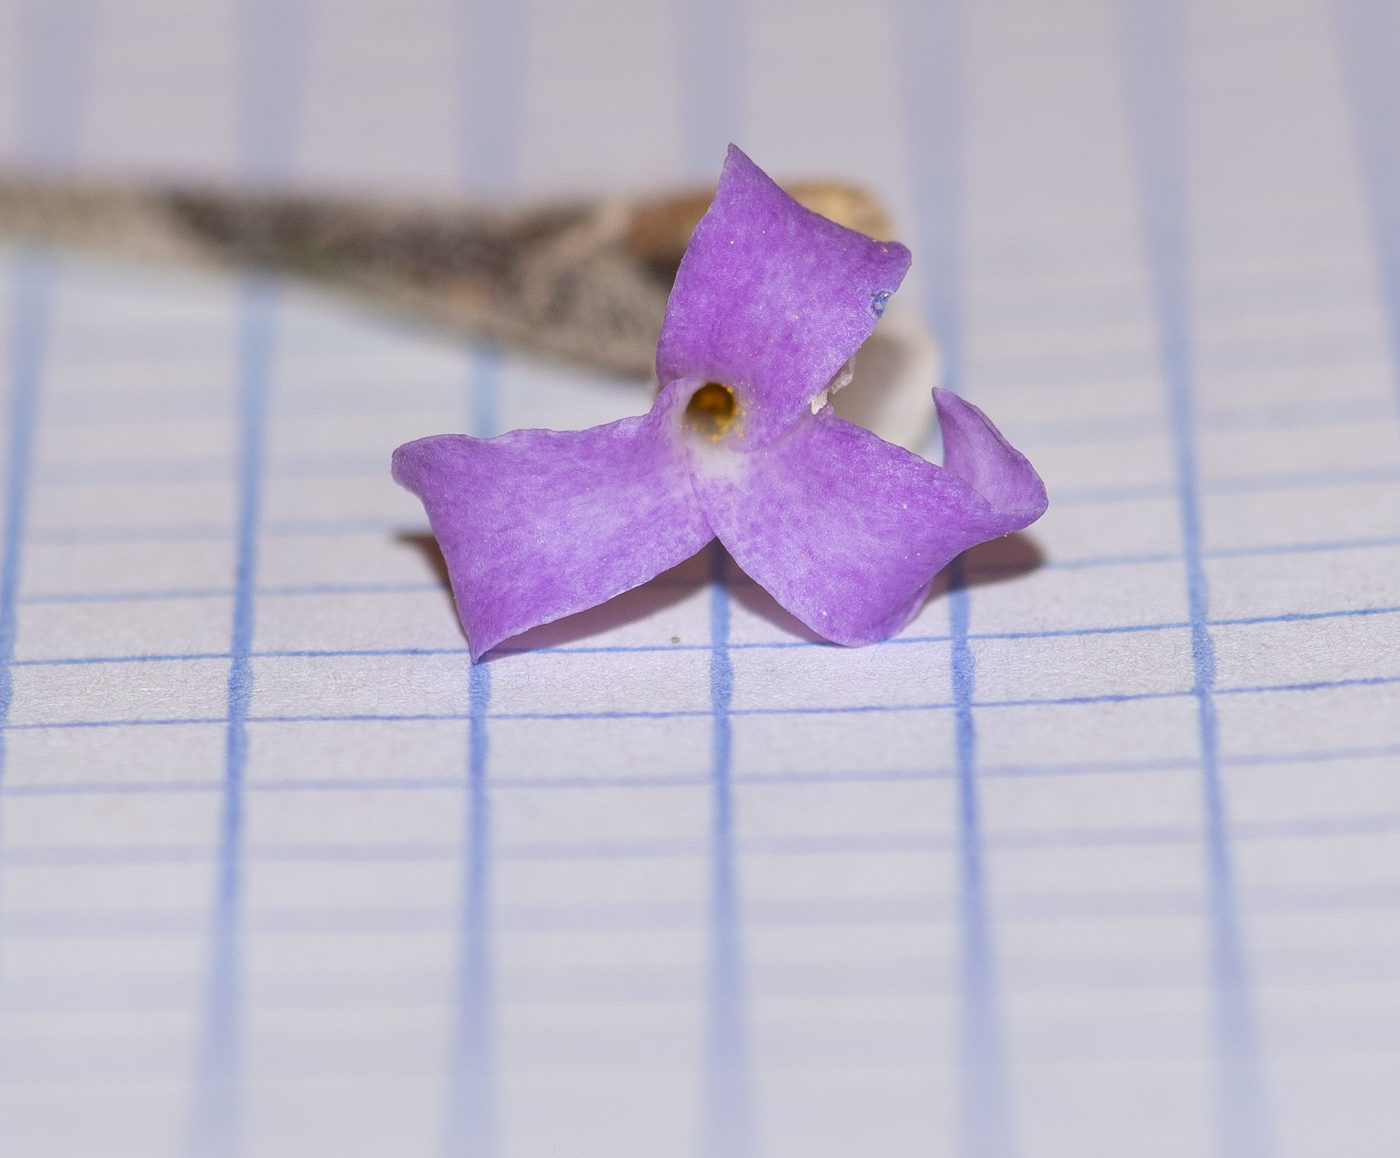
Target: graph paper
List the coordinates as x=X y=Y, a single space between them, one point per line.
x=1096 y=858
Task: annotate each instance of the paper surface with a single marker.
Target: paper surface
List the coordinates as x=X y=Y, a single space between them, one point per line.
x=1097 y=858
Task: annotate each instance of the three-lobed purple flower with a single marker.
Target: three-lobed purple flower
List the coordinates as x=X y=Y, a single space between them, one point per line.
x=843 y=529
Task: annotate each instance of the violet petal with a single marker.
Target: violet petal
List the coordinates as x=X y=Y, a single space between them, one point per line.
x=771 y=299
x=846 y=531
x=539 y=524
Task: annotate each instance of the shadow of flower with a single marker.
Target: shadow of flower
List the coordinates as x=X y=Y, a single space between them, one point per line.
x=1001 y=559
x=994 y=562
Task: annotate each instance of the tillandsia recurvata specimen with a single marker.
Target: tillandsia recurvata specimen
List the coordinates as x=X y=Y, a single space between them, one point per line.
x=583 y=280
x=843 y=529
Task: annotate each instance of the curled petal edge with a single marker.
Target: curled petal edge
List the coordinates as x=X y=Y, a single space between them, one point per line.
x=844 y=530
x=771 y=299
x=535 y=525
x=847 y=532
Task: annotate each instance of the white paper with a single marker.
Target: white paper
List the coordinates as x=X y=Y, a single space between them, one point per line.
x=669 y=878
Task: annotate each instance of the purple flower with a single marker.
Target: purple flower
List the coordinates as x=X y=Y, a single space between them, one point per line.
x=844 y=530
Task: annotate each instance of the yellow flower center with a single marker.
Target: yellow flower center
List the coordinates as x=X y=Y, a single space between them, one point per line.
x=712 y=410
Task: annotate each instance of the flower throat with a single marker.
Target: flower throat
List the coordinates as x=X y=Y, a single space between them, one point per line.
x=711 y=411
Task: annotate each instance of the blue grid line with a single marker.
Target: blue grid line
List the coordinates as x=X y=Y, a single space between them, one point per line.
x=53 y=41
x=887 y=911
x=712 y=86
x=275 y=39
x=1109 y=495
x=1299 y=480
x=892 y=911
x=55 y=38
x=1153 y=59
x=697 y=713
x=713 y=40
x=470 y=1091
x=32 y=286
x=728 y=1114
x=470 y=1100
x=987 y=1122
x=1370 y=542
x=33 y=289
x=226 y=592
x=950 y=841
x=766 y=645
x=1325 y=546
x=220 y=532
x=215 y=469
x=123 y=472
x=1311 y=686
x=488 y=363
x=1368 y=33
x=1228 y=485
x=933 y=38
x=174 y=533
x=172 y=593
x=909 y=842
x=154 y=475
x=906 y=842
x=298 y=589
x=846 y=776
x=491 y=41
x=82 y=661
x=1236 y=419
x=217 y=1112
x=124 y=787
x=1029 y=434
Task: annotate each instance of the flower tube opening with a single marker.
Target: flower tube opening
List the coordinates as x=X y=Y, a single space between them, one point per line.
x=712 y=411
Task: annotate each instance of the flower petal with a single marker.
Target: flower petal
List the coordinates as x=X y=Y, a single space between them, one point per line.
x=771 y=299
x=846 y=531
x=539 y=524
